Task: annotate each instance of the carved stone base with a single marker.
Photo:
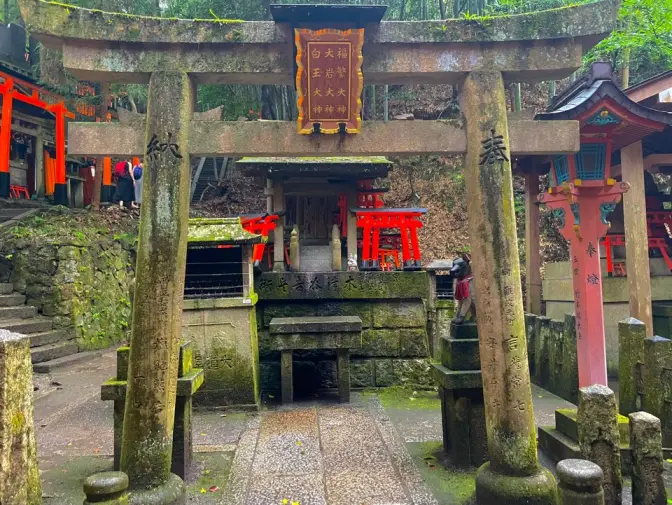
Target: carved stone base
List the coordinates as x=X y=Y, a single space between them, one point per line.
x=172 y=492
x=495 y=488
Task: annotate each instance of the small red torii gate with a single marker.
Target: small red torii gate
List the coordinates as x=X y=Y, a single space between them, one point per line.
x=373 y=221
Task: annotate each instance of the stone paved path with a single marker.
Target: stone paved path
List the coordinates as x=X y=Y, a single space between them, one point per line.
x=313 y=453
x=325 y=454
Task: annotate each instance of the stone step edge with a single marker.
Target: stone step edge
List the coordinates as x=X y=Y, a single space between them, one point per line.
x=54 y=351
x=59 y=335
x=6 y=288
x=565 y=423
x=55 y=364
x=9 y=324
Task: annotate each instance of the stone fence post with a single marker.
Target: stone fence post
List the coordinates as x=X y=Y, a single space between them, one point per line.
x=646 y=445
x=631 y=336
x=19 y=476
x=657 y=383
x=599 y=438
x=580 y=483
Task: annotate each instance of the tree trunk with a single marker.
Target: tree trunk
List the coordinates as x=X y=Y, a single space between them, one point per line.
x=98 y=177
x=442 y=9
x=625 y=69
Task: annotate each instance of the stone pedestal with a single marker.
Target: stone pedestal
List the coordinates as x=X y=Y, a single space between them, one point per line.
x=19 y=477
x=160 y=270
x=513 y=474
x=224 y=333
x=648 y=487
x=599 y=437
x=580 y=483
x=188 y=383
x=461 y=393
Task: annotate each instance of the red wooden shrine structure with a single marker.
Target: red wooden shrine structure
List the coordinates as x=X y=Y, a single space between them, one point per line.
x=11 y=90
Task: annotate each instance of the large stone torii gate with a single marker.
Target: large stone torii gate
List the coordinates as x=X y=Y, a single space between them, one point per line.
x=174 y=56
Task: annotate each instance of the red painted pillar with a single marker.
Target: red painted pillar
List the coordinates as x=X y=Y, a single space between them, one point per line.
x=107 y=190
x=366 y=241
x=375 y=249
x=61 y=187
x=588 y=301
x=582 y=213
x=6 y=136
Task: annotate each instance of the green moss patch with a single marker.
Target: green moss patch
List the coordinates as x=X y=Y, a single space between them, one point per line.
x=449 y=486
x=403 y=398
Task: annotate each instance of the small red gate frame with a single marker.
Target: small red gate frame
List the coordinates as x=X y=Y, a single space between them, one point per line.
x=372 y=221
x=619 y=240
x=260 y=224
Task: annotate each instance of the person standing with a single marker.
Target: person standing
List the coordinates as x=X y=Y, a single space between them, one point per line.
x=125 y=184
x=137 y=176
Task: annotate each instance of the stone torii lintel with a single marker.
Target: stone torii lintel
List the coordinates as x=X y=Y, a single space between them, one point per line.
x=279 y=138
x=538 y=46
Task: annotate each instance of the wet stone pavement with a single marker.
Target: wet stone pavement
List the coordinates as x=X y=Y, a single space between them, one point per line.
x=383 y=448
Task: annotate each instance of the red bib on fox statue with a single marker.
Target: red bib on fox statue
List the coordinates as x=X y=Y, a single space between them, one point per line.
x=464 y=293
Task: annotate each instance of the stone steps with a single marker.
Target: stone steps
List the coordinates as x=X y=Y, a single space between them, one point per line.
x=50 y=347
x=54 y=351
x=18 y=312
x=27 y=326
x=50 y=337
x=65 y=361
x=12 y=300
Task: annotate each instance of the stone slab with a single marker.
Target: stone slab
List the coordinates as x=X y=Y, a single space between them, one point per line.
x=343 y=285
x=336 y=340
x=271 y=310
x=459 y=45
x=327 y=324
x=402 y=314
x=454 y=379
x=565 y=423
x=460 y=354
x=278 y=138
x=288 y=444
x=90 y=25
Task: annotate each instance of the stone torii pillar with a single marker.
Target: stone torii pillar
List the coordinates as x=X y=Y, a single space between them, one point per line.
x=513 y=475
x=157 y=312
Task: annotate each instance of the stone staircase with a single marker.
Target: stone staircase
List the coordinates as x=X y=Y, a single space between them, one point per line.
x=315 y=258
x=48 y=344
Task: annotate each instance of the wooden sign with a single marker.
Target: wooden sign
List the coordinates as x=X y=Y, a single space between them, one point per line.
x=329 y=80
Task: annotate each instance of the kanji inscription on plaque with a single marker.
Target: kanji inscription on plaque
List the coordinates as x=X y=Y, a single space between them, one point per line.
x=329 y=80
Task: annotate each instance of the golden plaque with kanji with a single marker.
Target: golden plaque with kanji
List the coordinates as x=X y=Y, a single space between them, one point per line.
x=329 y=80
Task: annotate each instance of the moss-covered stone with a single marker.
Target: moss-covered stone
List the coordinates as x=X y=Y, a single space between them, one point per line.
x=361 y=373
x=401 y=314
x=272 y=310
x=536 y=489
x=74 y=268
x=66 y=21
x=159 y=290
x=342 y=285
x=599 y=437
x=19 y=476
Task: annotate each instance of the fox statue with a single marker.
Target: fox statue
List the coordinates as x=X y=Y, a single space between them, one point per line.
x=465 y=294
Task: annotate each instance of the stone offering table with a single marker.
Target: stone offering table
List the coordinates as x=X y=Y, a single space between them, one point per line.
x=292 y=333
x=188 y=383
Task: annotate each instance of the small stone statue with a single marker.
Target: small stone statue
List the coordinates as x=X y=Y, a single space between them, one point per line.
x=352 y=263
x=464 y=292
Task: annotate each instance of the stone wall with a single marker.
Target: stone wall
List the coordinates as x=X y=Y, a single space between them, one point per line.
x=552 y=354
x=81 y=282
x=392 y=306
